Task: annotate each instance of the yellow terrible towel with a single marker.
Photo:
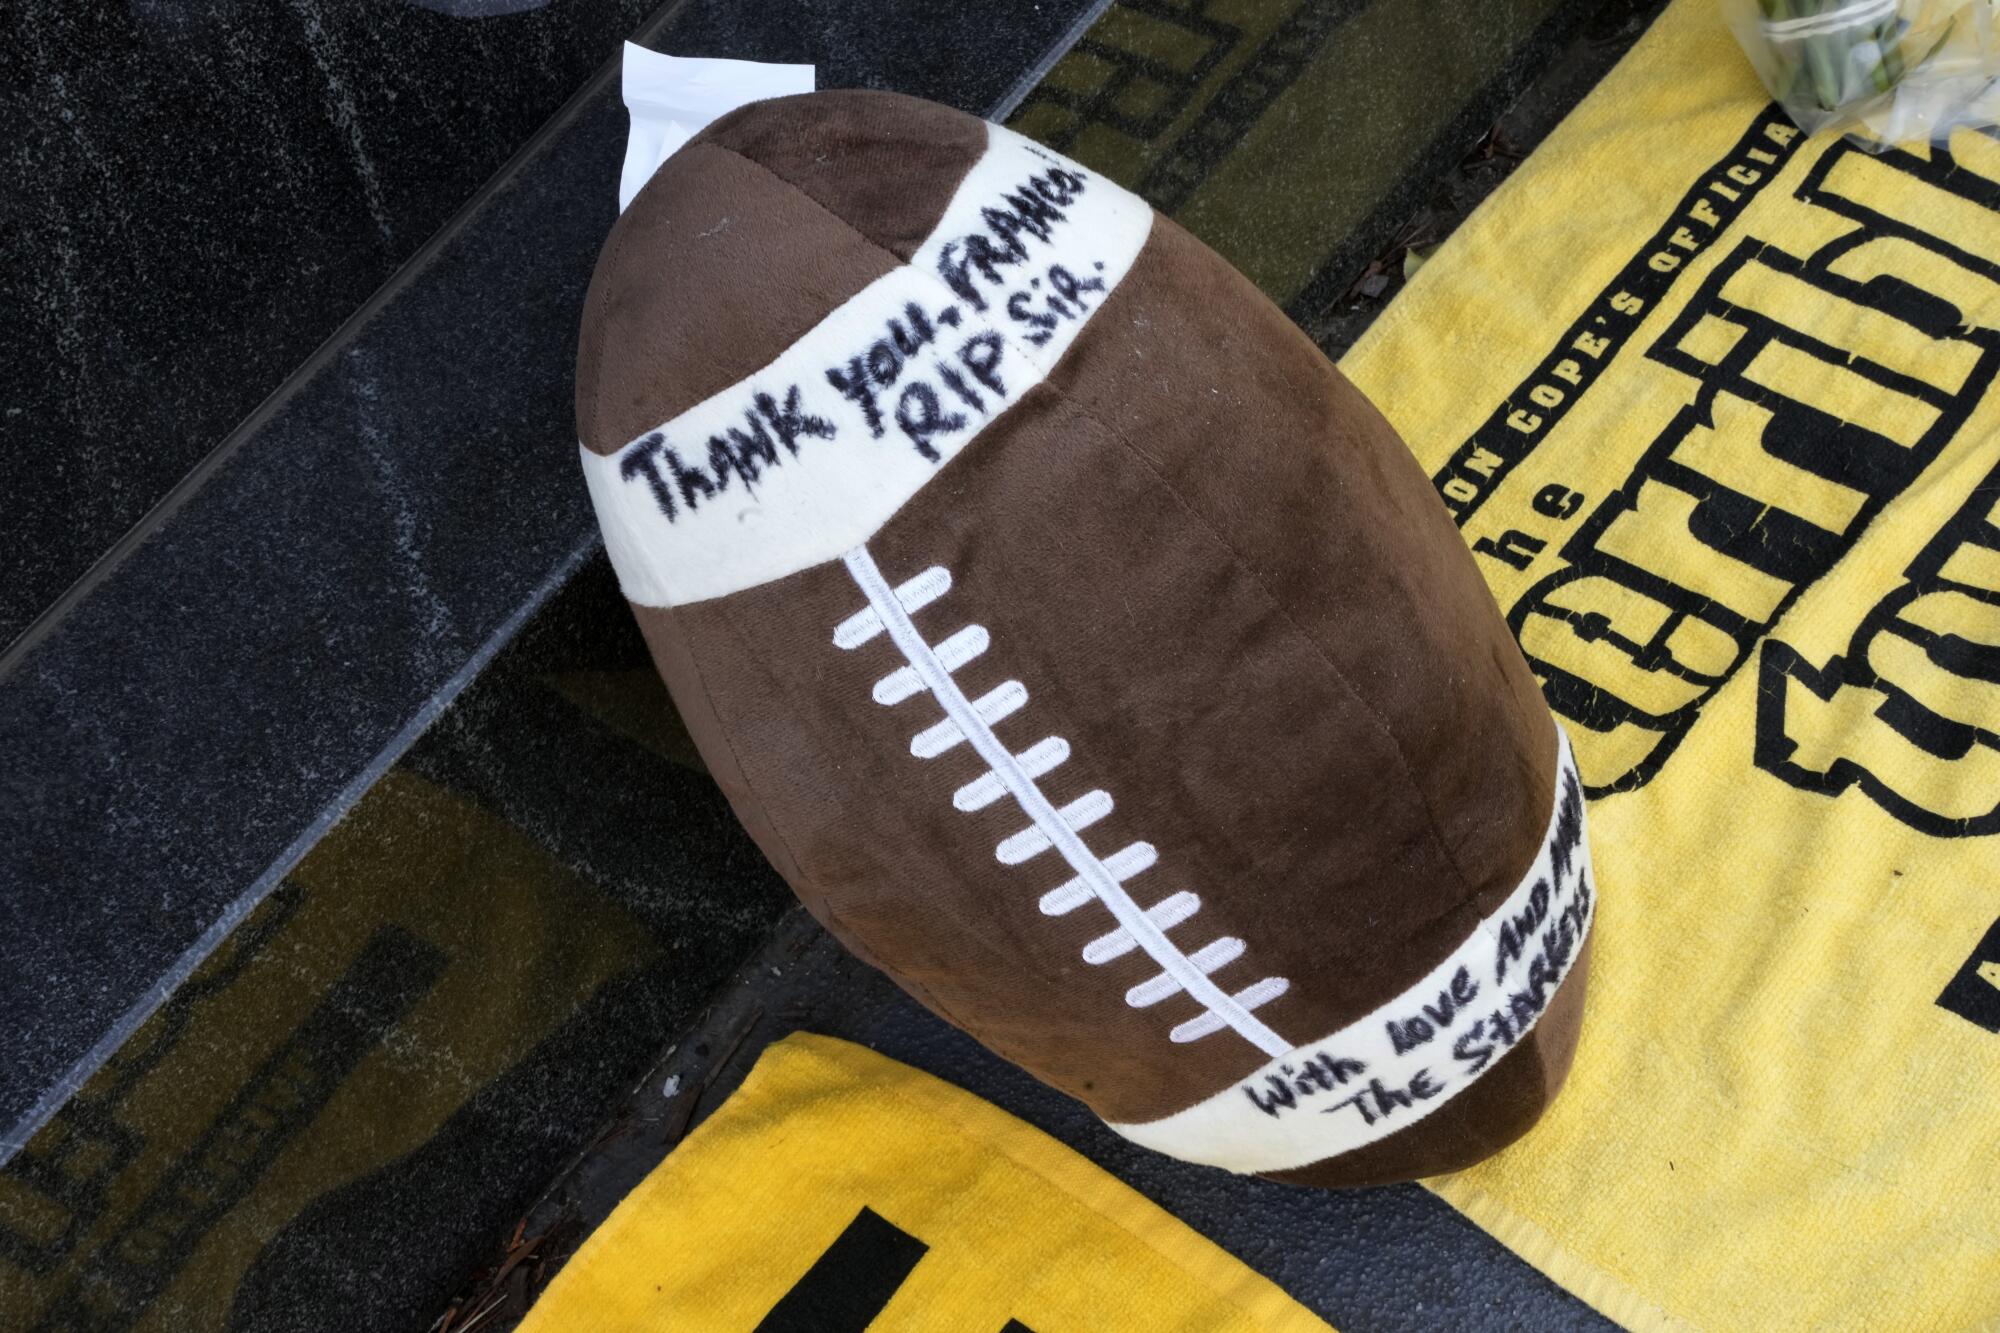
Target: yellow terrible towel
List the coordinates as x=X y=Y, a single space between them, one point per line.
x=1714 y=403
x=838 y=1187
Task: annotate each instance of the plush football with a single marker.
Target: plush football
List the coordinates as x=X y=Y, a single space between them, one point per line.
x=1083 y=649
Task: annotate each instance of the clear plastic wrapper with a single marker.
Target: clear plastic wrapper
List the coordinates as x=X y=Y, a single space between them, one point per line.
x=672 y=97
x=1888 y=71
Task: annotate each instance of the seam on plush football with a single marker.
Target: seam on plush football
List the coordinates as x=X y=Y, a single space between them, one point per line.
x=895 y=259
x=1318 y=650
x=594 y=317
x=1468 y=893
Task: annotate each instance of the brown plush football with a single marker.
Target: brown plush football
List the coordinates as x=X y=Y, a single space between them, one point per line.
x=1083 y=649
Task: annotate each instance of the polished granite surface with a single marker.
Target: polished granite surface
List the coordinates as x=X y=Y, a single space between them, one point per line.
x=208 y=191
x=212 y=190
x=214 y=1043
x=334 y=1069
x=415 y=1029
x=189 y=727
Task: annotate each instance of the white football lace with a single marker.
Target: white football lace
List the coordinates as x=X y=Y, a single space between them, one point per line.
x=929 y=670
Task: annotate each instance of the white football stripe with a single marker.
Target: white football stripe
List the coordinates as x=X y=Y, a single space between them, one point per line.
x=954 y=652
x=963 y=646
x=1385 y=1070
x=934 y=740
x=1262 y=992
x=1078 y=815
x=898 y=685
x=813 y=453
x=1036 y=760
x=1166 y=914
x=990 y=707
x=1208 y=958
x=913 y=594
x=1121 y=865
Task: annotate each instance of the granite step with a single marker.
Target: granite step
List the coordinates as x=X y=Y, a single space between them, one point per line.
x=261 y=949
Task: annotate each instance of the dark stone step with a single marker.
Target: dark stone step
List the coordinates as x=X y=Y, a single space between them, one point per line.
x=257 y=946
